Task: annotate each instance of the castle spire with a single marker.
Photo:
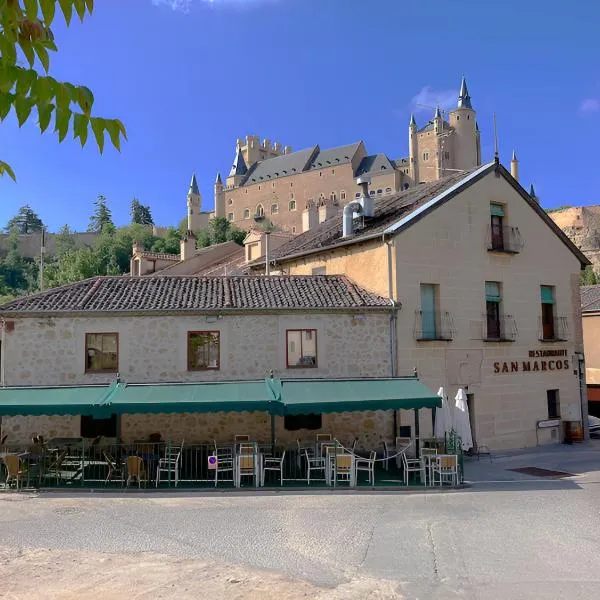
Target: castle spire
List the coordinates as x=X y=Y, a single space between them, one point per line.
x=194 y=186
x=532 y=192
x=464 y=100
x=412 y=120
x=438 y=114
x=218 y=180
x=514 y=166
x=239 y=164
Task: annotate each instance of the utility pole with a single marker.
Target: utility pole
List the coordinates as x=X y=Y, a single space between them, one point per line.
x=42 y=253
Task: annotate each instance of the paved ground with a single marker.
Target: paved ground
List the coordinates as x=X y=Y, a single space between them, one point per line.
x=506 y=536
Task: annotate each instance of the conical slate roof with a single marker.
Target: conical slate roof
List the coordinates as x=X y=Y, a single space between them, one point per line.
x=464 y=100
x=239 y=165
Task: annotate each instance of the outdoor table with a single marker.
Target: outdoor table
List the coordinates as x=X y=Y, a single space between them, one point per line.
x=258 y=464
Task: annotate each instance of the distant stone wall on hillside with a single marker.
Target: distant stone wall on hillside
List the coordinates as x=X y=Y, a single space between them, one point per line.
x=30 y=244
x=582 y=225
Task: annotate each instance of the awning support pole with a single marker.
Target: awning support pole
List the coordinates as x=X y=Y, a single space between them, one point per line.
x=273 y=434
x=417 y=431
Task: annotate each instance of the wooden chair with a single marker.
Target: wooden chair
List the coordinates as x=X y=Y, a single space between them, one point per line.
x=445 y=465
x=14 y=469
x=136 y=470
x=114 y=470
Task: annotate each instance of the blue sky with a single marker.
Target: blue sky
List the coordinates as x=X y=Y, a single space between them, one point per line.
x=189 y=77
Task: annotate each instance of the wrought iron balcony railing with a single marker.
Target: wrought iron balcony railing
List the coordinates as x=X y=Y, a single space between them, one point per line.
x=554 y=330
x=504 y=239
x=431 y=326
x=502 y=329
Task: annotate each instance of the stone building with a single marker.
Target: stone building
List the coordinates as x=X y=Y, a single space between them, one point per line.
x=487 y=290
x=188 y=330
x=271 y=180
x=590 y=311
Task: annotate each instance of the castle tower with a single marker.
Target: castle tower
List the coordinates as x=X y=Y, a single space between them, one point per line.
x=194 y=205
x=238 y=169
x=438 y=128
x=219 y=195
x=514 y=166
x=413 y=148
x=465 y=143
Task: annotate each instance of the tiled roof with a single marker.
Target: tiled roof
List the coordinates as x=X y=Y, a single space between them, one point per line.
x=124 y=294
x=397 y=211
x=280 y=166
x=334 y=156
x=388 y=210
x=159 y=255
x=590 y=298
x=429 y=126
x=376 y=164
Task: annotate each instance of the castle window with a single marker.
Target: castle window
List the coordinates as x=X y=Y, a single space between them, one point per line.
x=372 y=193
x=458 y=117
x=260 y=211
x=291 y=195
x=357 y=195
x=468 y=117
x=333 y=196
x=259 y=188
x=230 y=216
x=320 y=173
x=246 y=213
x=292 y=205
x=379 y=192
x=273 y=184
x=446 y=155
x=425 y=155
x=333 y=171
x=388 y=190
x=342 y=195
x=274 y=209
x=291 y=184
x=230 y=201
x=293 y=230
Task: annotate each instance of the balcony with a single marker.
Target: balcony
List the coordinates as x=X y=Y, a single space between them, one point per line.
x=554 y=330
x=504 y=240
x=432 y=326
x=502 y=329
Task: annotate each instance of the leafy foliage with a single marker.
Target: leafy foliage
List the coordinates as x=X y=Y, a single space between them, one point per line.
x=26 y=41
x=588 y=277
x=140 y=213
x=219 y=230
x=25 y=221
x=102 y=216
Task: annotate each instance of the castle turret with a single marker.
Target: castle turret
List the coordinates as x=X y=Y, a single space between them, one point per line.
x=238 y=169
x=219 y=195
x=413 y=149
x=533 y=194
x=465 y=142
x=194 y=206
x=514 y=166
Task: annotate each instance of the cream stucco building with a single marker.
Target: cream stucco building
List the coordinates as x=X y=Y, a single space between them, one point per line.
x=487 y=290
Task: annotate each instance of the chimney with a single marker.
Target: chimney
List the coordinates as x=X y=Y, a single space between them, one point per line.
x=188 y=245
x=287 y=150
x=362 y=206
x=136 y=248
x=310 y=217
x=327 y=209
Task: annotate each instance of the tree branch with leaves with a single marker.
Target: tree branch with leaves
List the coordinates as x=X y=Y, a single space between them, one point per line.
x=26 y=44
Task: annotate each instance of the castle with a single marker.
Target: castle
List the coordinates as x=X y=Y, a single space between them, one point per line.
x=270 y=180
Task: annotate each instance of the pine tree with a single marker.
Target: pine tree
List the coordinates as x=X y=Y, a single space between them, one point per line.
x=25 y=221
x=101 y=217
x=140 y=213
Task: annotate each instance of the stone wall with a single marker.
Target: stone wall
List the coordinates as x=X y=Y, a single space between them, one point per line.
x=51 y=351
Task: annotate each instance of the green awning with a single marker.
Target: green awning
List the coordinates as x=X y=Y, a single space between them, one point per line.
x=83 y=400
x=271 y=396
x=347 y=395
x=226 y=396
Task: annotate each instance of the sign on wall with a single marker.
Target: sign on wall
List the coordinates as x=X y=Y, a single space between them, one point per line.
x=538 y=360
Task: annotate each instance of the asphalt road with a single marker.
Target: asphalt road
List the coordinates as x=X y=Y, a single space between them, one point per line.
x=506 y=536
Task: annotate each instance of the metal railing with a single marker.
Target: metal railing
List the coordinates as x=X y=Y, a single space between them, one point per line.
x=504 y=239
x=555 y=330
x=501 y=329
x=433 y=325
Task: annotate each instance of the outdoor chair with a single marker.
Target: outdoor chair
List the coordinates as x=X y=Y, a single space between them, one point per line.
x=14 y=470
x=367 y=465
x=445 y=466
x=136 y=470
x=485 y=450
x=413 y=465
x=343 y=468
x=301 y=446
x=246 y=467
x=273 y=464
x=114 y=470
x=224 y=462
x=54 y=469
x=387 y=454
x=403 y=444
x=428 y=455
x=170 y=464
x=313 y=463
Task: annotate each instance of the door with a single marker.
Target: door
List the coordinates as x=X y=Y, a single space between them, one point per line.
x=428 y=316
x=472 y=420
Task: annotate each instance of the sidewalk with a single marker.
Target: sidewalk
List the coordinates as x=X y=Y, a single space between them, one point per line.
x=580 y=460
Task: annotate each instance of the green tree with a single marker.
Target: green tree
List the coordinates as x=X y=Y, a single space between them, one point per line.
x=140 y=213
x=25 y=221
x=65 y=240
x=26 y=41
x=102 y=217
x=219 y=230
x=169 y=243
x=588 y=277
x=18 y=275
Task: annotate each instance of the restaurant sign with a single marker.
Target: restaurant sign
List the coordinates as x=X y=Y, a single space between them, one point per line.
x=538 y=360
